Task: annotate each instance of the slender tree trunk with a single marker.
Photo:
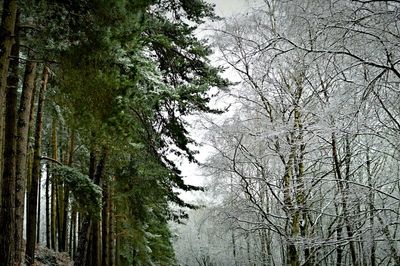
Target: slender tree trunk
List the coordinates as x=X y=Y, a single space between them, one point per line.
x=270 y=258
x=8 y=19
x=7 y=214
x=96 y=246
x=30 y=150
x=96 y=243
x=302 y=215
x=72 y=233
x=339 y=237
x=344 y=194
x=268 y=238
x=33 y=193
x=60 y=198
x=64 y=229
x=234 y=248
x=263 y=249
x=292 y=256
x=38 y=208
x=53 y=187
x=248 y=248
x=118 y=250
x=111 y=236
x=265 y=237
x=371 y=203
x=83 y=244
x=350 y=233
x=89 y=255
x=48 y=227
x=336 y=166
x=81 y=257
x=105 y=224
x=78 y=226
x=22 y=148
x=58 y=214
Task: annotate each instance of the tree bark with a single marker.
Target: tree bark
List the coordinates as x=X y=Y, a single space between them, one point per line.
x=111 y=236
x=96 y=254
x=38 y=208
x=22 y=149
x=59 y=202
x=292 y=257
x=7 y=214
x=96 y=244
x=371 y=203
x=53 y=187
x=48 y=227
x=72 y=233
x=83 y=243
x=105 y=224
x=7 y=27
x=33 y=193
x=64 y=227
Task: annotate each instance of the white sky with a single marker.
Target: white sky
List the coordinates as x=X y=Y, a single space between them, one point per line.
x=225 y=8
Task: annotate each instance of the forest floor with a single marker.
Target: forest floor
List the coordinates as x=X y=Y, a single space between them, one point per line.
x=45 y=256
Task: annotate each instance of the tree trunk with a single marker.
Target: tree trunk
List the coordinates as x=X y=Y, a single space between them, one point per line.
x=22 y=149
x=48 y=227
x=248 y=248
x=111 y=236
x=85 y=232
x=96 y=254
x=59 y=201
x=292 y=255
x=60 y=198
x=38 y=208
x=7 y=27
x=105 y=223
x=72 y=233
x=118 y=249
x=339 y=238
x=263 y=248
x=96 y=244
x=350 y=233
x=7 y=214
x=33 y=193
x=371 y=203
x=53 y=187
x=234 y=248
x=344 y=194
x=64 y=228
x=83 y=243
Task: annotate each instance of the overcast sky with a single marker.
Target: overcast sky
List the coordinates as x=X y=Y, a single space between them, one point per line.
x=226 y=8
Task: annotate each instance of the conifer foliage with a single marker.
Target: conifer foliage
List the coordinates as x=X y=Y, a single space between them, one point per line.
x=101 y=105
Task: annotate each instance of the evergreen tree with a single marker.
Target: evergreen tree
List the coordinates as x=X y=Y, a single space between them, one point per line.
x=120 y=77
